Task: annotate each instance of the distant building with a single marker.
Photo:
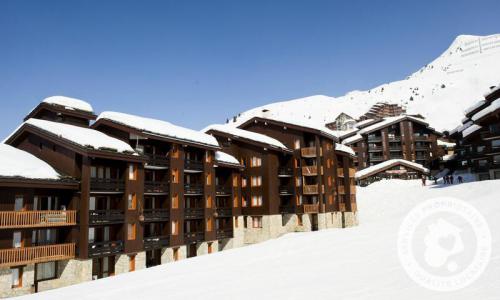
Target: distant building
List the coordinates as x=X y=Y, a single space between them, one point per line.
x=342 y=122
x=383 y=110
x=391 y=169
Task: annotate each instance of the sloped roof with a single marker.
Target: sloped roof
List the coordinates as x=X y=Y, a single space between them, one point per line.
x=389 y=164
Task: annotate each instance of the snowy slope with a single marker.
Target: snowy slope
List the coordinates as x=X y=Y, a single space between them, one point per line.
x=440 y=91
x=354 y=263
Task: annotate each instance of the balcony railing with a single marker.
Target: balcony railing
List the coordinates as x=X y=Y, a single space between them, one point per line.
x=155 y=242
x=222 y=190
x=156 y=214
x=422 y=147
x=37 y=218
x=105 y=248
x=375 y=148
x=374 y=139
x=308 y=152
x=193 y=189
x=420 y=137
x=224 y=233
x=396 y=156
x=376 y=158
x=309 y=208
x=394 y=139
x=106 y=216
x=285 y=172
x=310 y=189
x=157 y=160
x=107 y=185
x=395 y=148
x=156 y=187
x=39 y=254
x=286 y=190
x=223 y=212
x=310 y=170
x=194 y=237
x=193 y=165
x=194 y=213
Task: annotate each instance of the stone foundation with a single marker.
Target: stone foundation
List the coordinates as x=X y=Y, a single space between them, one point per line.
x=27 y=287
x=351 y=219
x=122 y=262
x=69 y=272
x=167 y=254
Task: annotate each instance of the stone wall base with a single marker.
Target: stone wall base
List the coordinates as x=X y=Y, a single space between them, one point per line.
x=167 y=254
x=351 y=219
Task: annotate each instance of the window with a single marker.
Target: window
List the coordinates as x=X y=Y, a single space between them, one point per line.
x=330 y=199
x=245 y=222
x=256 y=162
x=482 y=162
x=209 y=178
x=17 y=277
x=91 y=234
x=256 y=222
x=131 y=263
x=496 y=159
x=175 y=201
x=209 y=224
x=209 y=201
x=480 y=149
x=208 y=157
x=175 y=176
x=93 y=172
x=256 y=200
x=17 y=239
x=45 y=271
x=235 y=201
x=19 y=203
x=175 y=228
x=495 y=143
x=463 y=162
x=256 y=180
x=329 y=180
x=243 y=201
x=132 y=201
x=176 y=254
x=243 y=182
x=299 y=220
x=298 y=181
x=132 y=172
x=131 y=231
x=298 y=198
x=175 y=151
x=235 y=180
x=209 y=248
x=296 y=144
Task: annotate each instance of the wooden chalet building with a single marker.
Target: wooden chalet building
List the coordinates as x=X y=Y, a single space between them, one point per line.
x=391 y=169
x=477 y=148
x=133 y=192
x=402 y=137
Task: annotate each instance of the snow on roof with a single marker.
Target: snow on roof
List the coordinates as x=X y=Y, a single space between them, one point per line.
x=82 y=136
x=159 y=127
x=445 y=144
x=344 y=148
x=226 y=158
x=249 y=135
x=360 y=124
x=69 y=103
x=461 y=127
x=388 y=121
x=495 y=105
x=389 y=163
x=474 y=107
x=470 y=130
x=18 y=163
x=352 y=139
x=491 y=91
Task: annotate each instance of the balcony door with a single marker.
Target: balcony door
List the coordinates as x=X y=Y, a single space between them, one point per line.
x=45 y=203
x=19 y=203
x=17 y=239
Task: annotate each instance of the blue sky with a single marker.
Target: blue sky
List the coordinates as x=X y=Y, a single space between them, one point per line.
x=194 y=63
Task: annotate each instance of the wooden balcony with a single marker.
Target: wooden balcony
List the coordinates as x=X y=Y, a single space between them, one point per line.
x=287 y=209
x=156 y=214
x=310 y=170
x=309 y=208
x=156 y=187
x=106 y=216
x=224 y=212
x=191 y=165
x=308 y=152
x=285 y=172
x=157 y=161
x=423 y=138
x=193 y=189
x=105 y=248
x=39 y=254
x=194 y=237
x=37 y=218
x=221 y=190
x=224 y=233
x=156 y=242
x=286 y=190
x=312 y=189
x=107 y=185
x=194 y=213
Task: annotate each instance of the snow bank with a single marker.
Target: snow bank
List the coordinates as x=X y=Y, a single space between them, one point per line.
x=390 y=163
x=245 y=134
x=357 y=263
x=226 y=158
x=19 y=163
x=69 y=103
x=159 y=127
x=82 y=136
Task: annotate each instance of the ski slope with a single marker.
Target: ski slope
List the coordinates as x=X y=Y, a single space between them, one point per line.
x=354 y=263
x=440 y=91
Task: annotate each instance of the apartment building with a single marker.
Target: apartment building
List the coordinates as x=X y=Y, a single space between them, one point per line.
x=477 y=148
x=402 y=137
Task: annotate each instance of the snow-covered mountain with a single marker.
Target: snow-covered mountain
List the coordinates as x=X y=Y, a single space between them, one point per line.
x=440 y=91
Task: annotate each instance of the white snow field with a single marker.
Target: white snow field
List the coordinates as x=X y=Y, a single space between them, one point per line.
x=354 y=263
